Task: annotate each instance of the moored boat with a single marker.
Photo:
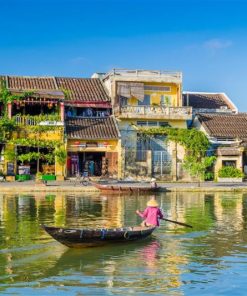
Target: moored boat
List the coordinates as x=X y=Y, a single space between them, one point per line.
x=80 y=237
x=119 y=188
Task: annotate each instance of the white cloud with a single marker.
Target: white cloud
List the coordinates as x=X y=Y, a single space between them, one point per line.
x=217 y=44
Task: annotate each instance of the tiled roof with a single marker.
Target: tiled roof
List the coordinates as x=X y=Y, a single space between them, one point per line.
x=207 y=100
x=31 y=83
x=225 y=125
x=92 y=128
x=81 y=90
x=84 y=89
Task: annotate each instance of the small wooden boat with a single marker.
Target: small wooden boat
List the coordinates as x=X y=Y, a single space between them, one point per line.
x=117 y=188
x=79 y=238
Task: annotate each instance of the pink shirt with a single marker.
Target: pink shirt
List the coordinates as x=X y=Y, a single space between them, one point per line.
x=152 y=215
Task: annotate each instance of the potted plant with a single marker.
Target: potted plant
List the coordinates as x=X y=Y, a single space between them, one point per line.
x=23 y=170
x=230 y=174
x=50 y=158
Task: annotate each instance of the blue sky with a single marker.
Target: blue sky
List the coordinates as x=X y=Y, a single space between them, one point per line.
x=206 y=40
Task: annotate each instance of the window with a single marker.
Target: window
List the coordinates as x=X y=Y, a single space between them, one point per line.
x=157 y=88
x=229 y=163
x=123 y=101
x=165 y=100
x=141 y=148
x=145 y=102
x=153 y=123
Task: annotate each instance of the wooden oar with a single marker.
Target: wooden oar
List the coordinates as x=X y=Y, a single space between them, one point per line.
x=176 y=222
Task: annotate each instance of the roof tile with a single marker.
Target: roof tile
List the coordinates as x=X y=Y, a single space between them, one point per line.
x=31 y=83
x=225 y=125
x=92 y=128
x=206 y=100
x=84 y=89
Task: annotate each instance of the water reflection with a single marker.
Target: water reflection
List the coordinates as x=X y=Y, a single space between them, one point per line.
x=174 y=261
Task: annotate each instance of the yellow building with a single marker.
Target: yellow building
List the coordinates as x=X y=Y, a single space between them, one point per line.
x=36 y=107
x=140 y=99
x=91 y=135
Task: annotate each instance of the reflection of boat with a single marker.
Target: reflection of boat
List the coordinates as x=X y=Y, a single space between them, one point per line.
x=118 y=188
x=79 y=238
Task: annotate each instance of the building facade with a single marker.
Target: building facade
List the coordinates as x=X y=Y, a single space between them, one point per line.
x=34 y=107
x=227 y=134
x=91 y=133
x=143 y=99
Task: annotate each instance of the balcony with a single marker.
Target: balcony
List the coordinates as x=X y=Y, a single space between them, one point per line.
x=45 y=120
x=153 y=112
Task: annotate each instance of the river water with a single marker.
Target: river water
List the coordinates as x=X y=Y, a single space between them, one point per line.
x=210 y=259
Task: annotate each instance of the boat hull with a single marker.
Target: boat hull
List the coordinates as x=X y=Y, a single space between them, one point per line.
x=125 y=189
x=81 y=238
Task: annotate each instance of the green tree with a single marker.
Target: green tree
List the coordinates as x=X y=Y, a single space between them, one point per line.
x=195 y=143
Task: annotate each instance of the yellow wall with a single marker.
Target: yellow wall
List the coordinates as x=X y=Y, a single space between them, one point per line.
x=218 y=163
x=155 y=95
x=56 y=135
x=26 y=133
x=112 y=146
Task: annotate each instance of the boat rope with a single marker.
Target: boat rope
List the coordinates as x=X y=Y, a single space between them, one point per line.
x=126 y=235
x=103 y=232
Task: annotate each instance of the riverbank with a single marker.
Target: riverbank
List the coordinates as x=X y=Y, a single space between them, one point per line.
x=70 y=187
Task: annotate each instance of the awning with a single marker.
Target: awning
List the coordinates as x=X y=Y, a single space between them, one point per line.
x=131 y=89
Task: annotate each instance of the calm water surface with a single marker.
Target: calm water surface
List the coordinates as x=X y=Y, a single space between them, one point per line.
x=210 y=259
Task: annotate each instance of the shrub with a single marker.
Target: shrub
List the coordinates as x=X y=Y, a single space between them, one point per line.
x=230 y=172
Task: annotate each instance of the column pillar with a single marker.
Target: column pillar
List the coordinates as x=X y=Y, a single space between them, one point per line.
x=62 y=111
x=9 y=107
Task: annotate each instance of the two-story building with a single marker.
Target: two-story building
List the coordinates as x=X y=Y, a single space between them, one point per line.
x=91 y=132
x=37 y=107
x=145 y=98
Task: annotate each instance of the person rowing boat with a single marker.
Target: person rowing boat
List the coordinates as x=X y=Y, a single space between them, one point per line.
x=151 y=214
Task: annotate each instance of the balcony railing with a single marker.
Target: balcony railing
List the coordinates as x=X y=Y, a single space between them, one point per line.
x=145 y=73
x=24 y=120
x=153 y=112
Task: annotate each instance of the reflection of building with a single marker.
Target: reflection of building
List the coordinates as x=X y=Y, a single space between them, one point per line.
x=147 y=99
x=228 y=210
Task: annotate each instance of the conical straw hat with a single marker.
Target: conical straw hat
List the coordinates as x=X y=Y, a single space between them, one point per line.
x=152 y=203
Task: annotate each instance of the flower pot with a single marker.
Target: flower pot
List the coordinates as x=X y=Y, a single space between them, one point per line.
x=48 y=177
x=23 y=177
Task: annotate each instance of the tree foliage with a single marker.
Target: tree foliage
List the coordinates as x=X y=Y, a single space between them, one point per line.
x=61 y=155
x=196 y=145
